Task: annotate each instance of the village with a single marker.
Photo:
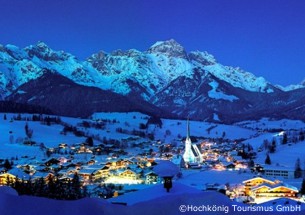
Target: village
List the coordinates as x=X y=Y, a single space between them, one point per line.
x=113 y=168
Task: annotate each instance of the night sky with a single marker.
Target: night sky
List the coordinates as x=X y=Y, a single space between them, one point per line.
x=265 y=37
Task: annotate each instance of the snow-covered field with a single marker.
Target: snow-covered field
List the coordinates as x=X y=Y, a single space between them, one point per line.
x=200 y=179
x=49 y=135
x=286 y=155
x=163 y=204
x=266 y=123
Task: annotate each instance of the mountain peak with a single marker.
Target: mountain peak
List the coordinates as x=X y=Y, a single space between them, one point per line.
x=42 y=51
x=39 y=48
x=169 y=48
x=203 y=58
x=42 y=44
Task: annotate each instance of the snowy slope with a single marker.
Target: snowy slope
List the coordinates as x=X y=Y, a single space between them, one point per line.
x=267 y=124
x=18 y=66
x=293 y=86
x=166 y=205
x=216 y=94
x=154 y=192
x=239 y=78
x=285 y=155
x=120 y=71
x=176 y=127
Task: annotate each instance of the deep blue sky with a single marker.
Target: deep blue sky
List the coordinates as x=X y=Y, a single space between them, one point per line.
x=265 y=37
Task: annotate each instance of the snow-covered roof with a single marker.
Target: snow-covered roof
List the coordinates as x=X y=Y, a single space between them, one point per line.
x=19 y=173
x=255 y=178
x=86 y=171
x=272 y=187
x=41 y=174
x=153 y=192
x=166 y=169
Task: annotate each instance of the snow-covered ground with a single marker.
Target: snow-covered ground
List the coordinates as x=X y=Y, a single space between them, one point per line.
x=132 y=121
x=285 y=155
x=200 y=179
x=49 y=135
x=166 y=204
x=267 y=124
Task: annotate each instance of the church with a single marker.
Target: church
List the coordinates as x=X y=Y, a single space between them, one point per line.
x=192 y=153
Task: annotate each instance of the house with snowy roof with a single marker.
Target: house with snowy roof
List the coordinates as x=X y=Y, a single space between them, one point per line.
x=86 y=174
x=279 y=190
x=20 y=174
x=102 y=172
x=6 y=178
x=151 y=178
x=261 y=187
x=128 y=174
x=45 y=175
x=253 y=182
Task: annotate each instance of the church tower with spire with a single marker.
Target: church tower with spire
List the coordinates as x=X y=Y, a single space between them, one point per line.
x=188 y=154
x=191 y=152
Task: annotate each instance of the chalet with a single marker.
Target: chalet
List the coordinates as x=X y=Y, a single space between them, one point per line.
x=91 y=162
x=52 y=161
x=84 y=149
x=86 y=174
x=151 y=178
x=261 y=187
x=63 y=145
x=128 y=174
x=229 y=165
x=66 y=179
x=45 y=175
x=109 y=164
x=127 y=162
x=7 y=178
x=19 y=174
x=29 y=169
x=253 y=182
x=97 y=150
x=278 y=190
x=101 y=173
x=63 y=160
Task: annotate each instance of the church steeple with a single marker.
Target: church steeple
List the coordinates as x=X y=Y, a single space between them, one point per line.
x=188 y=133
x=191 y=152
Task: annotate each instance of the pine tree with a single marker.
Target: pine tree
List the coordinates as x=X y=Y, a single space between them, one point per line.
x=251 y=163
x=298 y=170
x=285 y=138
x=89 y=141
x=302 y=191
x=268 y=160
x=4 y=117
x=7 y=165
x=272 y=147
x=301 y=135
x=28 y=131
x=76 y=186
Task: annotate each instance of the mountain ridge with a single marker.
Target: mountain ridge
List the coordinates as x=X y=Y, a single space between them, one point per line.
x=165 y=75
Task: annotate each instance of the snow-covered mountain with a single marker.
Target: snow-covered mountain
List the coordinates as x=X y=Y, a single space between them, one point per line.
x=166 y=75
x=119 y=71
x=293 y=86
